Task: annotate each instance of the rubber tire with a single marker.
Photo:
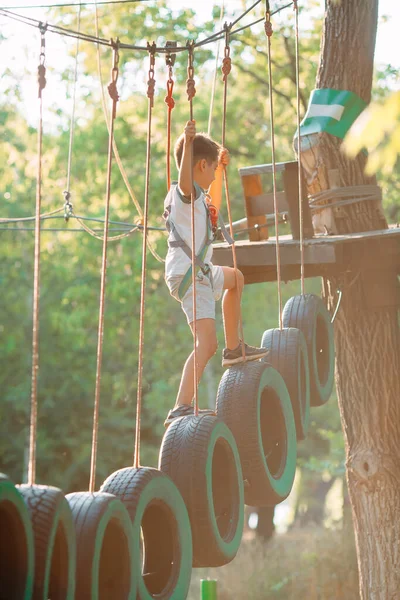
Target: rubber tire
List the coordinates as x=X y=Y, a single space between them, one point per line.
x=105 y=560
x=201 y=457
x=244 y=400
x=309 y=314
x=16 y=544
x=54 y=541
x=287 y=353
x=159 y=514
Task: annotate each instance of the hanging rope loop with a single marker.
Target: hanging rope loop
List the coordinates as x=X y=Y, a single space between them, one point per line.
x=112 y=86
x=151 y=82
x=42 y=57
x=170 y=102
x=227 y=62
x=190 y=82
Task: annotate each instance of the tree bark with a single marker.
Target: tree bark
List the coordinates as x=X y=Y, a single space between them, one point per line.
x=366 y=338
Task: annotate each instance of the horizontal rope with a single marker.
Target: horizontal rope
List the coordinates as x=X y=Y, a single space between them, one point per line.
x=348 y=195
x=24 y=6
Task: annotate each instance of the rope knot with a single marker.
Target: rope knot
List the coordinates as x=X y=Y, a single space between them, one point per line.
x=150 y=90
x=268 y=27
x=41 y=78
x=226 y=67
x=170 y=102
x=190 y=88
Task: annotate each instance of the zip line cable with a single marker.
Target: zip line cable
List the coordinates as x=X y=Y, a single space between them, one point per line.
x=90 y=38
x=80 y=4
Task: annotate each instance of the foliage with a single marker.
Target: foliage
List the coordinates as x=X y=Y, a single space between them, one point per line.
x=70 y=261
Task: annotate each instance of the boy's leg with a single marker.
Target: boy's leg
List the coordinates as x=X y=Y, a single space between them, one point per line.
x=206 y=347
x=231 y=305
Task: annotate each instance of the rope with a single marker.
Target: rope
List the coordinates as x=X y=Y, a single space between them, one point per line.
x=214 y=83
x=191 y=92
x=269 y=32
x=226 y=69
x=170 y=102
x=116 y=151
x=150 y=95
x=80 y=4
x=301 y=216
x=42 y=216
x=67 y=194
x=36 y=268
x=112 y=89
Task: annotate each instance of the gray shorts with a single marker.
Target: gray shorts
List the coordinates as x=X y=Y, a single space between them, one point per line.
x=206 y=295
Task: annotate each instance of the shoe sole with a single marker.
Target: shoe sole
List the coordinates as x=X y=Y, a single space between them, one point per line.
x=234 y=361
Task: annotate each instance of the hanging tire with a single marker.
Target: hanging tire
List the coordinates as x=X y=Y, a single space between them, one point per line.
x=16 y=544
x=158 y=514
x=253 y=400
x=54 y=542
x=309 y=314
x=287 y=353
x=201 y=457
x=104 y=547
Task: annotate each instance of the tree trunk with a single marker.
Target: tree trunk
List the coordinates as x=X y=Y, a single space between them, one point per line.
x=366 y=338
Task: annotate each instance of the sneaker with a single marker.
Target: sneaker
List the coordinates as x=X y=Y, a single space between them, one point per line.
x=185 y=410
x=232 y=357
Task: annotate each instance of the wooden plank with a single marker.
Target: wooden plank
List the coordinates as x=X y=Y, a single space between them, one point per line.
x=252 y=187
x=264 y=203
x=261 y=169
x=291 y=186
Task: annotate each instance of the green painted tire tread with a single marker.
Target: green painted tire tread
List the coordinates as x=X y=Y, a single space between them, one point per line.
x=302 y=312
x=47 y=505
x=284 y=347
x=237 y=406
x=10 y=494
x=130 y=485
x=183 y=456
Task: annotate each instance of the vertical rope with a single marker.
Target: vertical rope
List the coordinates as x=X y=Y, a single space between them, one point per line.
x=150 y=94
x=214 y=83
x=268 y=32
x=226 y=69
x=67 y=193
x=191 y=91
x=170 y=102
x=112 y=89
x=301 y=220
x=36 y=266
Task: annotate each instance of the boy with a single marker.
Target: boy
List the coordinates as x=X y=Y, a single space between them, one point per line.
x=208 y=161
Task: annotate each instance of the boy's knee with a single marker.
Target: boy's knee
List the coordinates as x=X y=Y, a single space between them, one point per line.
x=209 y=346
x=240 y=279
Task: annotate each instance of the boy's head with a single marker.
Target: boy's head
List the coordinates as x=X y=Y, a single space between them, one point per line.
x=205 y=158
x=203 y=148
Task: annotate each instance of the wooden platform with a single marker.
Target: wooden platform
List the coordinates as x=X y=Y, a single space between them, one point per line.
x=323 y=255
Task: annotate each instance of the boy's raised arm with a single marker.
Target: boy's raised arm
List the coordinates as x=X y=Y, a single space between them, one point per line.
x=215 y=190
x=185 y=179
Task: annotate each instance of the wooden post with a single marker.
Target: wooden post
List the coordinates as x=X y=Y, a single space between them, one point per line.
x=291 y=186
x=252 y=187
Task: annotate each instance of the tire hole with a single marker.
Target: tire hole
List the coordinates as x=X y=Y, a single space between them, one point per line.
x=161 y=554
x=322 y=350
x=225 y=489
x=303 y=384
x=13 y=552
x=366 y=467
x=58 y=583
x=273 y=432
x=114 y=568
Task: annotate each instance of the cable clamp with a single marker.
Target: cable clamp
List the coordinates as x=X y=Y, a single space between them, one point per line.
x=68 y=208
